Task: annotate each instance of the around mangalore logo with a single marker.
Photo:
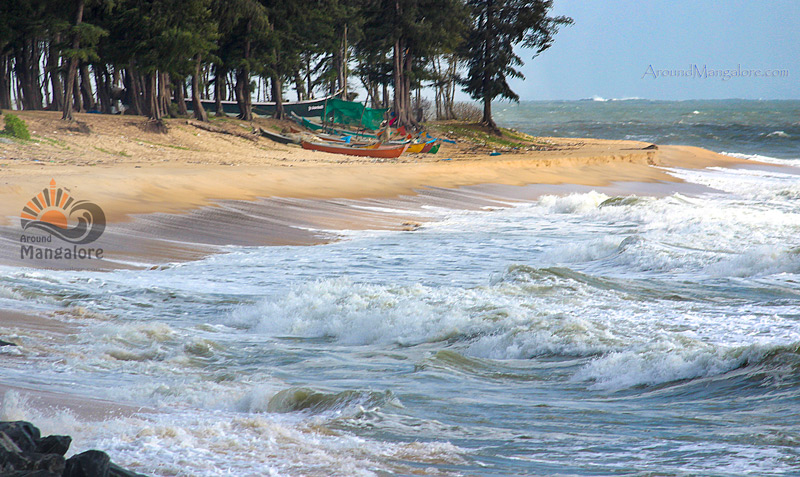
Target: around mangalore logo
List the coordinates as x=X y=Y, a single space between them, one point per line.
x=58 y=214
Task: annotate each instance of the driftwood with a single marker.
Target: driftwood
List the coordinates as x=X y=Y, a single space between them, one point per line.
x=217 y=129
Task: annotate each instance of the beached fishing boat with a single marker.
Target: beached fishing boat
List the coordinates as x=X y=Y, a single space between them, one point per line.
x=349 y=140
x=376 y=151
x=312 y=108
x=279 y=138
x=422 y=147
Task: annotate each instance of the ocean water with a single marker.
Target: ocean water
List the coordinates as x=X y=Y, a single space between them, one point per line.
x=581 y=333
x=769 y=128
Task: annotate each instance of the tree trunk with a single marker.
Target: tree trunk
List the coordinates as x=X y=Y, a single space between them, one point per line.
x=180 y=97
x=219 y=89
x=165 y=94
x=86 y=88
x=76 y=95
x=299 y=85
x=55 y=74
x=451 y=87
x=487 y=52
x=340 y=66
x=133 y=91
x=243 y=94
x=73 y=66
x=402 y=84
x=103 y=80
x=277 y=96
x=46 y=85
x=398 y=82
x=151 y=94
x=199 y=112
x=308 y=77
x=5 y=82
x=27 y=69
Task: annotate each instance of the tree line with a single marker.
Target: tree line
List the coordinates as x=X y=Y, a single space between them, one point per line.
x=153 y=55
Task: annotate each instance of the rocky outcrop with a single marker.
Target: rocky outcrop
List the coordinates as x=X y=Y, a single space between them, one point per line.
x=25 y=453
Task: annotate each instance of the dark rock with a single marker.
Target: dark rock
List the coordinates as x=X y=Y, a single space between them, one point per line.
x=92 y=463
x=117 y=471
x=7 y=445
x=50 y=462
x=24 y=434
x=24 y=453
x=53 y=445
x=7 y=343
x=30 y=461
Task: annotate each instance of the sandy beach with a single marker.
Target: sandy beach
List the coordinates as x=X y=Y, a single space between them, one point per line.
x=539 y=280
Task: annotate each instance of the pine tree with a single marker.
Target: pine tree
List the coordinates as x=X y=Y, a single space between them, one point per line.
x=413 y=31
x=498 y=26
x=85 y=37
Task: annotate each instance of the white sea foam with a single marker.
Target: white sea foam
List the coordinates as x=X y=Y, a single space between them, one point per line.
x=767 y=159
x=210 y=444
x=665 y=360
x=630 y=291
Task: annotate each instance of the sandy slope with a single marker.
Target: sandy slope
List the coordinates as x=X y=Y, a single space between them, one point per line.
x=128 y=169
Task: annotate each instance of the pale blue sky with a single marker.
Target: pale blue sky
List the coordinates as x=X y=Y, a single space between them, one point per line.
x=613 y=43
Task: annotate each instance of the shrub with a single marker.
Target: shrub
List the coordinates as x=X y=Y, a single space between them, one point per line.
x=467 y=112
x=16 y=127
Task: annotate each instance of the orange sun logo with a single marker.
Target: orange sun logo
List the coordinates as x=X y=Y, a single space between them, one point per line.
x=49 y=206
x=51 y=209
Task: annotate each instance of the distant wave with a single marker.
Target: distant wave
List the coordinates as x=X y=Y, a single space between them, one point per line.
x=760 y=158
x=601 y=99
x=780 y=134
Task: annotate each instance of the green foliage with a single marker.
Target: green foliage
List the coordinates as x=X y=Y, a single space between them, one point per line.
x=307 y=43
x=16 y=127
x=89 y=36
x=162 y=35
x=497 y=27
x=424 y=28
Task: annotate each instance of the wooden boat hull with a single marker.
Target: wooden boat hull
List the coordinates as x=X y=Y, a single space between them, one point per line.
x=423 y=147
x=279 y=138
x=383 y=152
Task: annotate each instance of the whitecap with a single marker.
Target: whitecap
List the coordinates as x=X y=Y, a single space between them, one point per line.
x=780 y=134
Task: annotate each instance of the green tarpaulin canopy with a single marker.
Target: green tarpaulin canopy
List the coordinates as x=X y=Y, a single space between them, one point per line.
x=353 y=114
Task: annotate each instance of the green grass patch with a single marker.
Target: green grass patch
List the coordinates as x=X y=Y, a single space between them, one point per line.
x=482 y=136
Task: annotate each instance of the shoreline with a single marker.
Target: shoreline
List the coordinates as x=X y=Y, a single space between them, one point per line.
x=185 y=194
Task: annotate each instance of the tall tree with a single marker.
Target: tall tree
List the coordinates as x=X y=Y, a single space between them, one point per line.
x=74 y=58
x=497 y=27
x=413 y=31
x=161 y=42
x=85 y=37
x=6 y=36
x=291 y=31
x=243 y=28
